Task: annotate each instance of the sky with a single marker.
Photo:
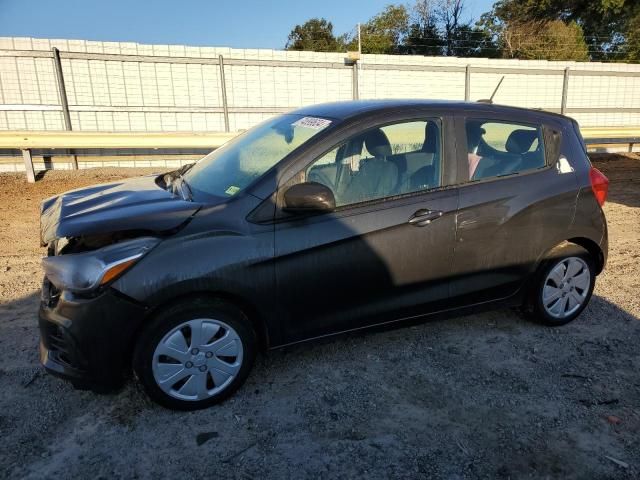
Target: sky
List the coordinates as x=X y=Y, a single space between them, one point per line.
x=239 y=23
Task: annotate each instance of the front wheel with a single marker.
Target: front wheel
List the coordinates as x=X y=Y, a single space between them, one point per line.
x=195 y=354
x=562 y=288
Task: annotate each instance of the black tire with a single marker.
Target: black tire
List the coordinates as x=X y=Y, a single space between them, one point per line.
x=175 y=315
x=534 y=307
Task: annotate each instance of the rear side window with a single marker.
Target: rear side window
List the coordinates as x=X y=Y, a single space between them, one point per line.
x=496 y=148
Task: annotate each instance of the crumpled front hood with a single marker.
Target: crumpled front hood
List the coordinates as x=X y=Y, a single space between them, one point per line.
x=131 y=204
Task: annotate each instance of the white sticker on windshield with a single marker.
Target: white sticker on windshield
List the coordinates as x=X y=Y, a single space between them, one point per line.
x=312 y=122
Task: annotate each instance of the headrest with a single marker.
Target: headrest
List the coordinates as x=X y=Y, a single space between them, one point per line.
x=474 y=134
x=377 y=143
x=431 y=135
x=520 y=141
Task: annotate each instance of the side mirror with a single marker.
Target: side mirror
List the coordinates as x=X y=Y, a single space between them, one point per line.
x=309 y=197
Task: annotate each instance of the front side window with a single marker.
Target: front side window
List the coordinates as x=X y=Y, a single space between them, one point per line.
x=381 y=162
x=500 y=148
x=232 y=167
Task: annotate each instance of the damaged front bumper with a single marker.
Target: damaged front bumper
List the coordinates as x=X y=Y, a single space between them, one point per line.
x=87 y=341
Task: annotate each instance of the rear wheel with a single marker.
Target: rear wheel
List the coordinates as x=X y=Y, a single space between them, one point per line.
x=195 y=354
x=562 y=288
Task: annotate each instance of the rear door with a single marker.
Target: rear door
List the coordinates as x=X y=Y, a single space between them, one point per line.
x=514 y=203
x=387 y=249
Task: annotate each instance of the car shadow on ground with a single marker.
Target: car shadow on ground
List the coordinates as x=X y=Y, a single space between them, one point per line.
x=488 y=394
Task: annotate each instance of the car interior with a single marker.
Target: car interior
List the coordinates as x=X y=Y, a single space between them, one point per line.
x=370 y=166
x=522 y=150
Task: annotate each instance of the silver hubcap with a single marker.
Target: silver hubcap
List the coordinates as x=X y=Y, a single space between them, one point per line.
x=566 y=287
x=197 y=359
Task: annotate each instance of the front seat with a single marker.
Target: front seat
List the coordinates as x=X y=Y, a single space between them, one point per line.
x=423 y=179
x=425 y=176
x=431 y=138
x=377 y=177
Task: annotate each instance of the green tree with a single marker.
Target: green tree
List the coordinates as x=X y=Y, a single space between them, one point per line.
x=424 y=36
x=437 y=28
x=461 y=38
x=607 y=25
x=450 y=13
x=423 y=40
x=633 y=38
x=385 y=32
x=539 y=40
x=316 y=35
x=472 y=41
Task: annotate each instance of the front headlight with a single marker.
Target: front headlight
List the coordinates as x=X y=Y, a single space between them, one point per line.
x=83 y=272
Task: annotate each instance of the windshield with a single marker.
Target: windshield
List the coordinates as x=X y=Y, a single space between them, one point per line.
x=232 y=167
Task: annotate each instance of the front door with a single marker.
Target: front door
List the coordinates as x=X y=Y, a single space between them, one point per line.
x=386 y=251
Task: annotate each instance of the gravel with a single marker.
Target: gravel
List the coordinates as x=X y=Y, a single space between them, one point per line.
x=487 y=395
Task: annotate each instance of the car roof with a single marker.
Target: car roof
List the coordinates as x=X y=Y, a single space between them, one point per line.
x=354 y=108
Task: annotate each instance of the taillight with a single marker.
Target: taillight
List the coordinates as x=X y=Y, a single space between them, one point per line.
x=599 y=185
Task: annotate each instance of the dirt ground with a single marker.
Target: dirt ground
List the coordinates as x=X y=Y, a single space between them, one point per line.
x=482 y=396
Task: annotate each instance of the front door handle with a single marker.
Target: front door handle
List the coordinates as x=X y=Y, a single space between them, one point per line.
x=424 y=217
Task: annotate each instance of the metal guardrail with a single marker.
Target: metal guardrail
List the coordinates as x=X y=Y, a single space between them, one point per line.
x=594 y=136
x=22 y=140
x=69 y=140
x=610 y=132
x=630 y=141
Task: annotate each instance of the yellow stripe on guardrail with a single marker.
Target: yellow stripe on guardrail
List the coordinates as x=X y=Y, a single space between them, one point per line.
x=610 y=132
x=53 y=139
x=28 y=140
x=43 y=140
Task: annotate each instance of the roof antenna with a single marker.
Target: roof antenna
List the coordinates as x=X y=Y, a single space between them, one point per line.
x=490 y=100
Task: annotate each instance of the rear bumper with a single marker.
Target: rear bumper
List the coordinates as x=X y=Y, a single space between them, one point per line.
x=87 y=341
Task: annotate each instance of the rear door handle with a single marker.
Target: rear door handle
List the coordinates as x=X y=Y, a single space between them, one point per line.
x=424 y=217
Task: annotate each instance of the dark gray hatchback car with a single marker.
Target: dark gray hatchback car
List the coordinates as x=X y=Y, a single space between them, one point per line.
x=328 y=219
